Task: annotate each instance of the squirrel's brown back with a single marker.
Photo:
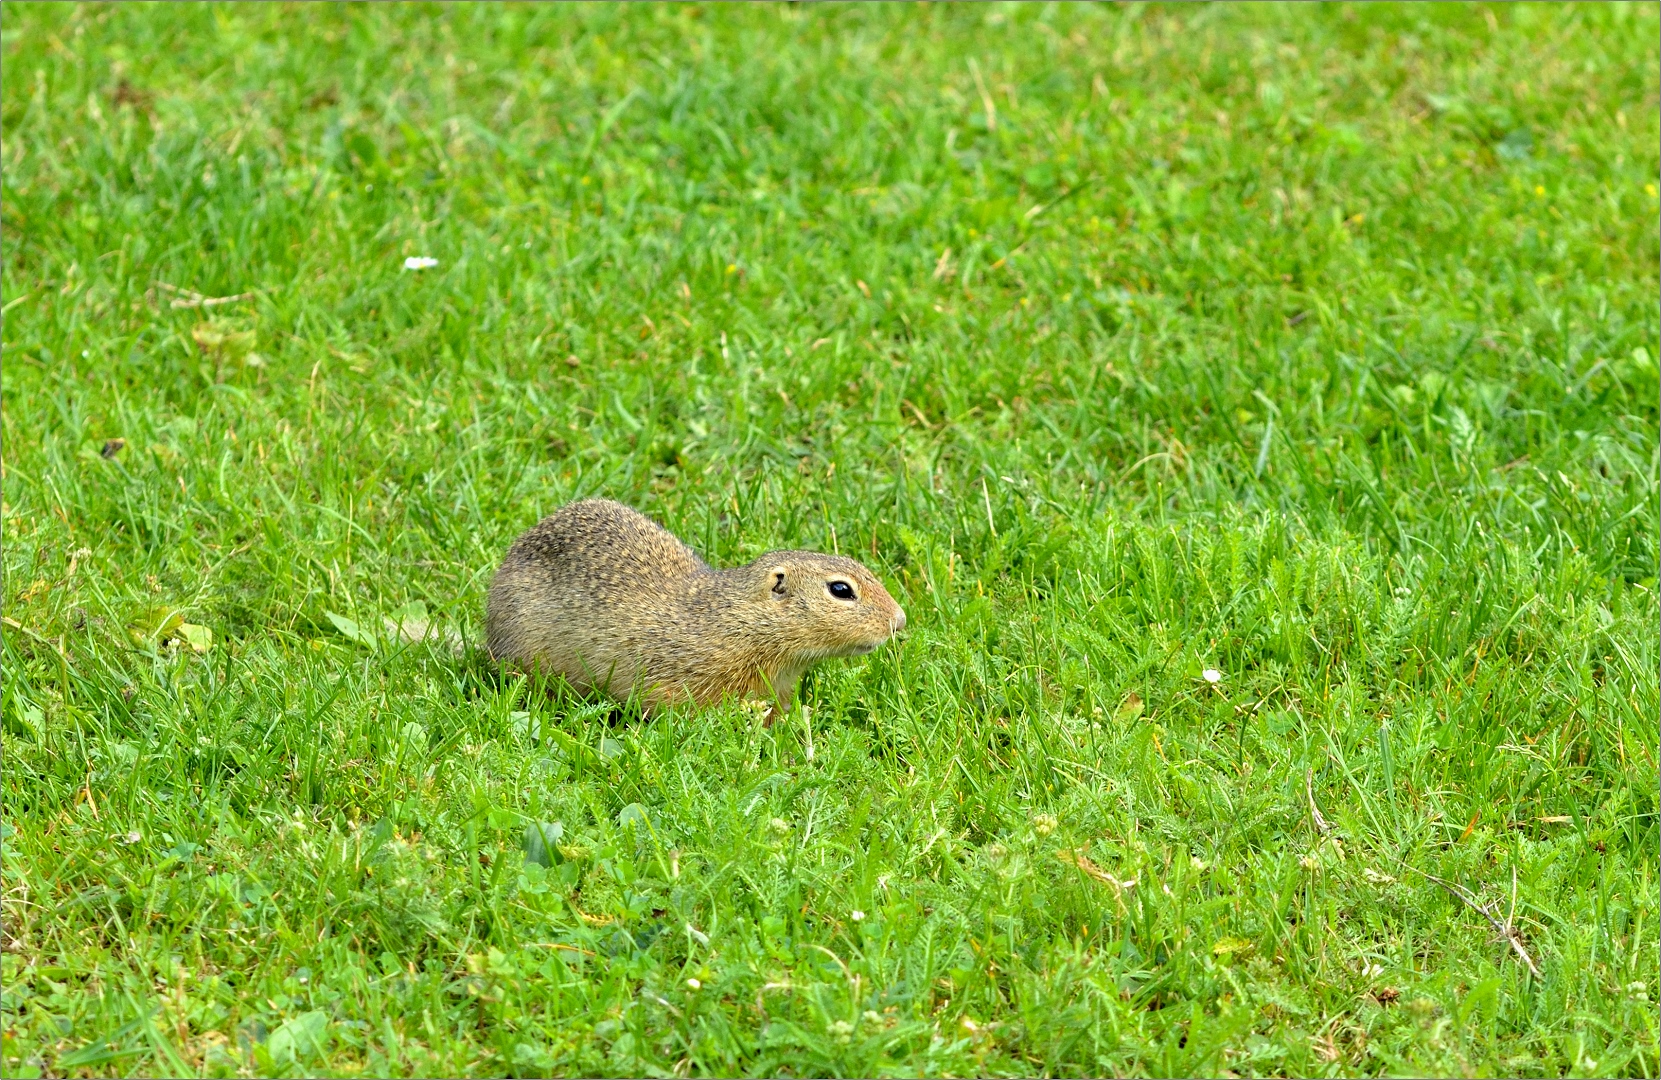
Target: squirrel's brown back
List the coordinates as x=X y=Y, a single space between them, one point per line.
x=606 y=547
x=599 y=593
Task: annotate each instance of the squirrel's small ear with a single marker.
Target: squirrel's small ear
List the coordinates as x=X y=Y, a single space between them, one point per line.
x=778 y=574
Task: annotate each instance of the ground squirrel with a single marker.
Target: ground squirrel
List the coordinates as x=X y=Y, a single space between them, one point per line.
x=602 y=595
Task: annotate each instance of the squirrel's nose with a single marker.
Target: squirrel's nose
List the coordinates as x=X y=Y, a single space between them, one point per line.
x=899 y=618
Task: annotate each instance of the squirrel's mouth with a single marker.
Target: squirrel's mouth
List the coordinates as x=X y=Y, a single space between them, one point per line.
x=863 y=647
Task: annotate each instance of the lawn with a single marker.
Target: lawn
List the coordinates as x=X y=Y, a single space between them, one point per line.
x=1254 y=408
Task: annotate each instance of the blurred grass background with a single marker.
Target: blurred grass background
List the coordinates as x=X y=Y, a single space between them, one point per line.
x=1312 y=345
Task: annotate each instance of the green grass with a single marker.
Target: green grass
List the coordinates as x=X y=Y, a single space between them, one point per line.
x=1313 y=345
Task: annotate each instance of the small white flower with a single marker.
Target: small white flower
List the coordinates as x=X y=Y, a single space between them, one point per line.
x=694 y=984
x=420 y=262
x=857 y=915
x=1211 y=675
x=134 y=837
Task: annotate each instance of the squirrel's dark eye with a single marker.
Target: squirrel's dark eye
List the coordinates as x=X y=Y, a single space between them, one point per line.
x=841 y=590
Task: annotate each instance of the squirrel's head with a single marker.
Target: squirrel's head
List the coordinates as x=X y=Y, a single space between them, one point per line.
x=825 y=605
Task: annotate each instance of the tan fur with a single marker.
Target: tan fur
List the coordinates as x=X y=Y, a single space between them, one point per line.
x=600 y=594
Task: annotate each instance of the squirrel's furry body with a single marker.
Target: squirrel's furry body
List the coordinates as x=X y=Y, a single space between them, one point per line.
x=602 y=595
